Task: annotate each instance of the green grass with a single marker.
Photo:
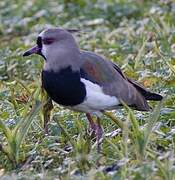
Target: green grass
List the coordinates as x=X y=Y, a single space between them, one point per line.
x=140 y=37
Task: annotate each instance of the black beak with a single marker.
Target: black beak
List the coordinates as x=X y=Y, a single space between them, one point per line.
x=33 y=50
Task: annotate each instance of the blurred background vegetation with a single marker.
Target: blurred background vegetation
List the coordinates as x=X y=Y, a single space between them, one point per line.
x=139 y=35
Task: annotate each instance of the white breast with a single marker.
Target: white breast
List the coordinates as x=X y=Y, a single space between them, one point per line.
x=95 y=100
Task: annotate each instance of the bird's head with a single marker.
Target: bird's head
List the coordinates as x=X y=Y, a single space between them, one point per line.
x=52 y=42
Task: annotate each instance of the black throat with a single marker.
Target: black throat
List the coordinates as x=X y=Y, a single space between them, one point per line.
x=64 y=86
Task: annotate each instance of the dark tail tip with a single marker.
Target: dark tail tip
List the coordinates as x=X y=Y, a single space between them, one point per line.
x=153 y=96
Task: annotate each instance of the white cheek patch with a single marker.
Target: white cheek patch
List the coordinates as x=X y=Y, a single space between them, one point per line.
x=41 y=34
x=44 y=51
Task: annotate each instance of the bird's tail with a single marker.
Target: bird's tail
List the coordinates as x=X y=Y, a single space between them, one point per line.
x=147 y=94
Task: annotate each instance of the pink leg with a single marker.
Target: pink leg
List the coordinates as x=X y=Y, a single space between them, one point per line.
x=96 y=129
x=99 y=134
x=92 y=125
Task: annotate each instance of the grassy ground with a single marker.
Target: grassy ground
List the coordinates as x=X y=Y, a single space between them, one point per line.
x=139 y=36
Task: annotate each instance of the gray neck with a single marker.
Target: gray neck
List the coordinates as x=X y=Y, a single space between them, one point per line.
x=62 y=56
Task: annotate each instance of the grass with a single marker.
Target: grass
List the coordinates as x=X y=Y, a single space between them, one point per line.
x=137 y=35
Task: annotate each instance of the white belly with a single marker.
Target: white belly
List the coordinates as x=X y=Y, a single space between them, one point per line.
x=95 y=100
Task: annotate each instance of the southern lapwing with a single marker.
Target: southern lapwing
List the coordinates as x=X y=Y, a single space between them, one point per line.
x=84 y=81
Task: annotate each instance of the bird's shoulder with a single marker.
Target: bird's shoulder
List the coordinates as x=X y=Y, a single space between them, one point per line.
x=98 y=68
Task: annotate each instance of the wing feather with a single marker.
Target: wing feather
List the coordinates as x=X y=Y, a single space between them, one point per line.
x=112 y=80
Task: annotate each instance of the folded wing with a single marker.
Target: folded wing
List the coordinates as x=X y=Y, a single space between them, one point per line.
x=114 y=83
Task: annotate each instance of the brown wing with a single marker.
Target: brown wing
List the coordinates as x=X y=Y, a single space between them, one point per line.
x=145 y=92
x=112 y=80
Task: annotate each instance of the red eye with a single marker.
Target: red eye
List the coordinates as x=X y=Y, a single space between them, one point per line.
x=48 y=41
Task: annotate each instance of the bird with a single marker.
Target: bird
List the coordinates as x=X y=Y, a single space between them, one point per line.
x=84 y=81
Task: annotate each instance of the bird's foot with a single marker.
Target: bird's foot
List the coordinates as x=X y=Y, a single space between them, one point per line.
x=92 y=125
x=99 y=134
x=95 y=130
